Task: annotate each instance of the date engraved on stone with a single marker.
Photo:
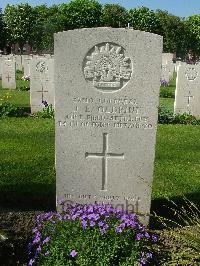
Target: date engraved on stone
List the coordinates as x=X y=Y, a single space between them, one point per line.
x=191 y=73
x=107 y=67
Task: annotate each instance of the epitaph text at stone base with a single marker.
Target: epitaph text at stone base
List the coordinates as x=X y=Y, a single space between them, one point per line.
x=107 y=94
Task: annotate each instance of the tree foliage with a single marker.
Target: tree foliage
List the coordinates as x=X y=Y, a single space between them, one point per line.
x=2 y=32
x=19 y=23
x=114 y=16
x=47 y=23
x=193 y=26
x=174 y=33
x=144 y=19
x=81 y=14
x=36 y=25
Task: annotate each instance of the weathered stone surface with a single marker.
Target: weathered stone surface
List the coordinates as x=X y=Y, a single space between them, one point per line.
x=167 y=57
x=107 y=94
x=187 y=95
x=41 y=83
x=8 y=74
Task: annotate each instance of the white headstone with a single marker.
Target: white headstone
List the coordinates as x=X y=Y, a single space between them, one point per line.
x=26 y=65
x=9 y=74
x=18 y=60
x=187 y=95
x=165 y=72
x=107 y=94
x=41 y=83
x=166 y=57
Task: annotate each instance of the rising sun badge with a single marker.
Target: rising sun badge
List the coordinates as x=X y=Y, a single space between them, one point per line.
x=107 y=67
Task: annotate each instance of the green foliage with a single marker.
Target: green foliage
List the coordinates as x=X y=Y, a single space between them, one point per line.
x=24 y=182
x=2 y=32
x=81 y=14
x=166 y=93
x=184 y=241
x=48 y=21
x=89 y=235
x=19 y=23
x=114 y=15
x=193 y=25
x=47 y=112
x=144 y=19
x=174 y=33
x=166 y=116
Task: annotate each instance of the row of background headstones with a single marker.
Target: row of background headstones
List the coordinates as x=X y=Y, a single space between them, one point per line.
x=187 y=94
x=41 y=70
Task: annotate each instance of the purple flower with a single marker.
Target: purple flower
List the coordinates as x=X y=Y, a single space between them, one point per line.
x=31 y=262
x=47 y=239
x=92 y=223
x=101 y=224
x=149 y=255
x=46 y=254
x=154 y=238
x=37 y=238
x=84 y=224
x=118 y=229
x=139 y=236
x=45 y=103
x=142 y=261
x=73 y=253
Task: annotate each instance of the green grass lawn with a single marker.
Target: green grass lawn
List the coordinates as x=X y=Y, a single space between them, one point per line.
x=27 y=175
x=18 y=97
x=169 y=102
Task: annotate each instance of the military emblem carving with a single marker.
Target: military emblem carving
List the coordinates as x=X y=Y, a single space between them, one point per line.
x=41 y=67
x=107 y=67
x=191 y=73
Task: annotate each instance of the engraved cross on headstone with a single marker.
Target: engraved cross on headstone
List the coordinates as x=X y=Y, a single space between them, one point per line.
x=42 y=91
x=189 y=97
x=105 y=155
x=8 y=77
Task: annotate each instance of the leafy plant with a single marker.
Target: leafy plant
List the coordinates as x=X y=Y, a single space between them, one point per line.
x=166 y=93
x=165 y=115
x=89 y=235
x=184 y=248
x=47 y=112
x=7 y=109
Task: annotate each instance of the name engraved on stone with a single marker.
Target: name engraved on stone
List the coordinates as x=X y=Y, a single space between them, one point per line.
x=41 y=67
x=191 y=73
x=104 y=156
x=107 y=67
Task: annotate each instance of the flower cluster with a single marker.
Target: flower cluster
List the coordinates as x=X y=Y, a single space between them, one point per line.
x=103 y=218
x=26 y=78
x=45 y=103
x=163 y=83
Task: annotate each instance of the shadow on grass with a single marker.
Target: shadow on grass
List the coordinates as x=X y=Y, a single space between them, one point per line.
x=25 y=200
x=167 y=208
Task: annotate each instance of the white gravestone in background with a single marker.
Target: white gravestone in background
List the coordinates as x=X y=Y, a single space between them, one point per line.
x=8 y=74
x=41 y=83
x=18 y=60
x=187 y=95
x=107 y=96
x=165 y=73
x=26 y=66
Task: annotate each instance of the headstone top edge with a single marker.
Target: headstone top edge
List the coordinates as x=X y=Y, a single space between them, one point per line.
x=109 y=29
